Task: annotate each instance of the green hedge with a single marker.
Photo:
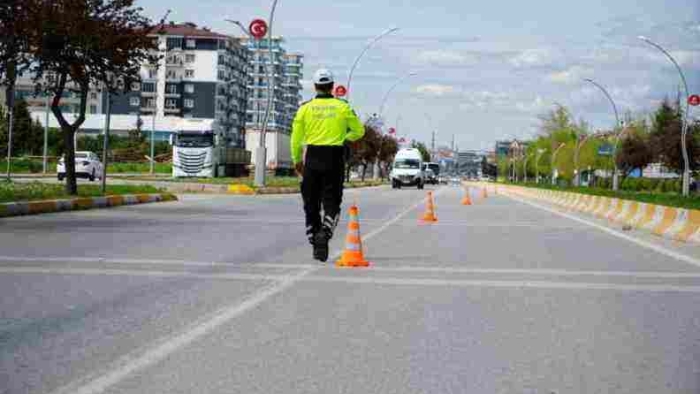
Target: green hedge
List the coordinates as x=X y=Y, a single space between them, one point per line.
x=16 y=191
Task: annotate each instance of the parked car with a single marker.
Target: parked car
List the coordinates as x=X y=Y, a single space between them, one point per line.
x=87 y=165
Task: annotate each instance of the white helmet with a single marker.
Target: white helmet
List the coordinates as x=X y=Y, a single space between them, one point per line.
x=323 y=77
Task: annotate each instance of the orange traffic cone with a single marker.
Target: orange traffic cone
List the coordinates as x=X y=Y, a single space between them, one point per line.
x=352 y=256
x=466 y=200
x=429 y=215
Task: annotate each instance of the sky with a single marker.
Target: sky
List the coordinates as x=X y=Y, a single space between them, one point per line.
x=484 y=70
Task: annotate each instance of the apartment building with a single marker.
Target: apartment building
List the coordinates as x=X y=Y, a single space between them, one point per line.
x=202 y=74
x=288 y=72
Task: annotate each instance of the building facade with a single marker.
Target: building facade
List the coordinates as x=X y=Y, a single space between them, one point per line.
x=201 y=74
x=286 y=98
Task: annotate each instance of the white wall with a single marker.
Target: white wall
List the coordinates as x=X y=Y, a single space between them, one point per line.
x=205 y=66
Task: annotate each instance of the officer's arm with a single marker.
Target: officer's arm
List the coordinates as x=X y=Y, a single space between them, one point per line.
x=356 y=129
x=298 y=136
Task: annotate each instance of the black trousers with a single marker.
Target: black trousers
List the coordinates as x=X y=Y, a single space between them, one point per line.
x=322 y=188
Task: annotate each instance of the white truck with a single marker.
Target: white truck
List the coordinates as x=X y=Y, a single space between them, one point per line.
x=407 y=169
x=199 y=150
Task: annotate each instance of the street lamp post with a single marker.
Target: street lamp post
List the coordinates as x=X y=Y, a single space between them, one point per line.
x=554 y=160
x=579 y=145
x=617 y=135
x=525 y=166
x=381 y=111
x=261 y=151
x=365 y=49
x=537 y=164
x=684 y=124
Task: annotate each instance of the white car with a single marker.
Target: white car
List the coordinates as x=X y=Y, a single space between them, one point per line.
x=87 y=165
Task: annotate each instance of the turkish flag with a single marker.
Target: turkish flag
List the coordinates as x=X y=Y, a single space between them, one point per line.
x=392 y=130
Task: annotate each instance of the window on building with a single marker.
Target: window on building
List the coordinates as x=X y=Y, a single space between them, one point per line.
x=150 y=103
x=93 y=109
x=171 y=89
x=174 y=42
x=189 y=88
x=191 y=43
x=148 y=87
x=222 y=75
x=135 y=101
x=170 y=103
x=152 y=73
x=189 y=58
x=189 y=103
x=189 y=73
x=93 y=95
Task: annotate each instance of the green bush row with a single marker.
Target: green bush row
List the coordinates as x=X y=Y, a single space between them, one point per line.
x=651 y=185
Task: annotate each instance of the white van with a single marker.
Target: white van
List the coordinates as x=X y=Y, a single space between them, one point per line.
x=407 y=169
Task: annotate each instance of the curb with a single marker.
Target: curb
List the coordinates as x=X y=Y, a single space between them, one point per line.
x=83 y=203
x=678 y=224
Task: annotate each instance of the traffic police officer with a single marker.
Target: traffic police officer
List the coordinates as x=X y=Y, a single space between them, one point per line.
x=323 y=125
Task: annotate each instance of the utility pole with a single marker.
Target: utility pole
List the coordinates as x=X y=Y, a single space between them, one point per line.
x=105 y=142
x=46 y=133
x=432 y=149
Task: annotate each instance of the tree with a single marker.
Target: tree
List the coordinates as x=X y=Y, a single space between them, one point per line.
x=28 y=134
x=16 y=25
x=423 y=150
x=666 y=138
x=555 y=120
x=388 y=150
x=634 y=152
x=87 y=43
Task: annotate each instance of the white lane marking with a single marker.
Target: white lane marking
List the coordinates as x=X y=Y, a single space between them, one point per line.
x=506 y=284
x=141 y=359
x=657 y=248
x=398 y=269
x=132 y=362
x=540 y=272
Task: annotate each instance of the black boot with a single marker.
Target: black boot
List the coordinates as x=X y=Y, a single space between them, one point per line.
x=321 y=246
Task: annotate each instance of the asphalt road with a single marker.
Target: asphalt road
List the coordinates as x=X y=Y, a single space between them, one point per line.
x=219 y=294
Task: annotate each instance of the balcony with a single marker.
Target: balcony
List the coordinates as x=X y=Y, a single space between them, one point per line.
x=148 y=94
x=172 y=95
x=148 y=109
x=172 y=110
x=177 y=63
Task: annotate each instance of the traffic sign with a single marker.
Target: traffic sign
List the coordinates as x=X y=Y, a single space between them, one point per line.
x=694 y=100
x=340 y=91
x=258 y=28
x=605 y=150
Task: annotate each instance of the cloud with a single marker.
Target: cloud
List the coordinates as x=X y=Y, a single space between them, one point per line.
x=690 y=59
x=436 y=90
x=571 y=75
x=502 y=101
x=445 y=58
x=533 y=58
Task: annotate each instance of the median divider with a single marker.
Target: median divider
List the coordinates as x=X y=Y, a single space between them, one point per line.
x=673 y=223
x=80 y=203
